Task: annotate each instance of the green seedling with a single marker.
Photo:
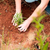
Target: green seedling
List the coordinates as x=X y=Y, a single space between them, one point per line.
x=0 y=13
x=7 y=43
x=3 y=36
x=3 y=47
x=18 y=18
x=39 y=38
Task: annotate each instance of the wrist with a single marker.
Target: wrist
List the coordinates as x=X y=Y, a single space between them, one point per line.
x=18 y=11
x=31 y=18
x=34 y=15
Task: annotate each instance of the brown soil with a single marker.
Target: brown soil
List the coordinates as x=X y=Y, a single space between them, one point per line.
x=7 y=10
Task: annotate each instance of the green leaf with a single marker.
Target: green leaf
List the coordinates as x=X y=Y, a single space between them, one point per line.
x=34 y=20
x=28 y=49
x=41 y=43
x=46 y=46
x=0 y=13
x=37 y=26
x=45 y=37
x=40 y=18
x=41 y=28
x=37 y=38
x=18 y=18
x=16 y=49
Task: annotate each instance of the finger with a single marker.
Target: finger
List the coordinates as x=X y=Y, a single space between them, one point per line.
x=15 y=14
x=21 y=29
x=12 y=21
x=24 y=30
x=19 y=26
x=15 y=24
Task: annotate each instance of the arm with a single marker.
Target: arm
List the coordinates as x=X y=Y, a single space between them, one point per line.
x=18 y=10
x=18 y=6
x=40 y=8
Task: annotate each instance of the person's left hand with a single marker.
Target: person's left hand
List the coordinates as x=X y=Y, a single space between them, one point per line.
x=23 y=27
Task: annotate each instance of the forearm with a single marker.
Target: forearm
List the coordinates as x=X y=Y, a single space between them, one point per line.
x=39 y=9
x=18 y=5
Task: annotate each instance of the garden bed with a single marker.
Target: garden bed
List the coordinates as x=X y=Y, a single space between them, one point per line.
x=7 y=10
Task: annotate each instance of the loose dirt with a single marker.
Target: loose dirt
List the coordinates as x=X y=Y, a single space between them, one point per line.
x=7 y=10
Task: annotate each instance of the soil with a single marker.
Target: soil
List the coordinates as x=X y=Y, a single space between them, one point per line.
x=7 y=10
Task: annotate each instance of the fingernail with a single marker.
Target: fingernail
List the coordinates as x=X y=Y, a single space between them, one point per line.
x=19 y=27
x=13 y=23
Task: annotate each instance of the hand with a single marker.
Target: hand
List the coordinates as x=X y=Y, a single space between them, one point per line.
x=23 y=27
x=17 y=19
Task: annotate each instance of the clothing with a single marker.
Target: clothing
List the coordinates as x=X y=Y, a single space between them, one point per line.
x=30 y=1
x=48 y=9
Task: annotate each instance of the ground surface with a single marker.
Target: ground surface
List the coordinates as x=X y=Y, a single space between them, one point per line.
x=7 y=10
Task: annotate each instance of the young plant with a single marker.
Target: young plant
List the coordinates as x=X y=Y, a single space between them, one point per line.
x=0 y=13
x=3 y=36
x=39 y=38
x=18 y=18
x=5 y=46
